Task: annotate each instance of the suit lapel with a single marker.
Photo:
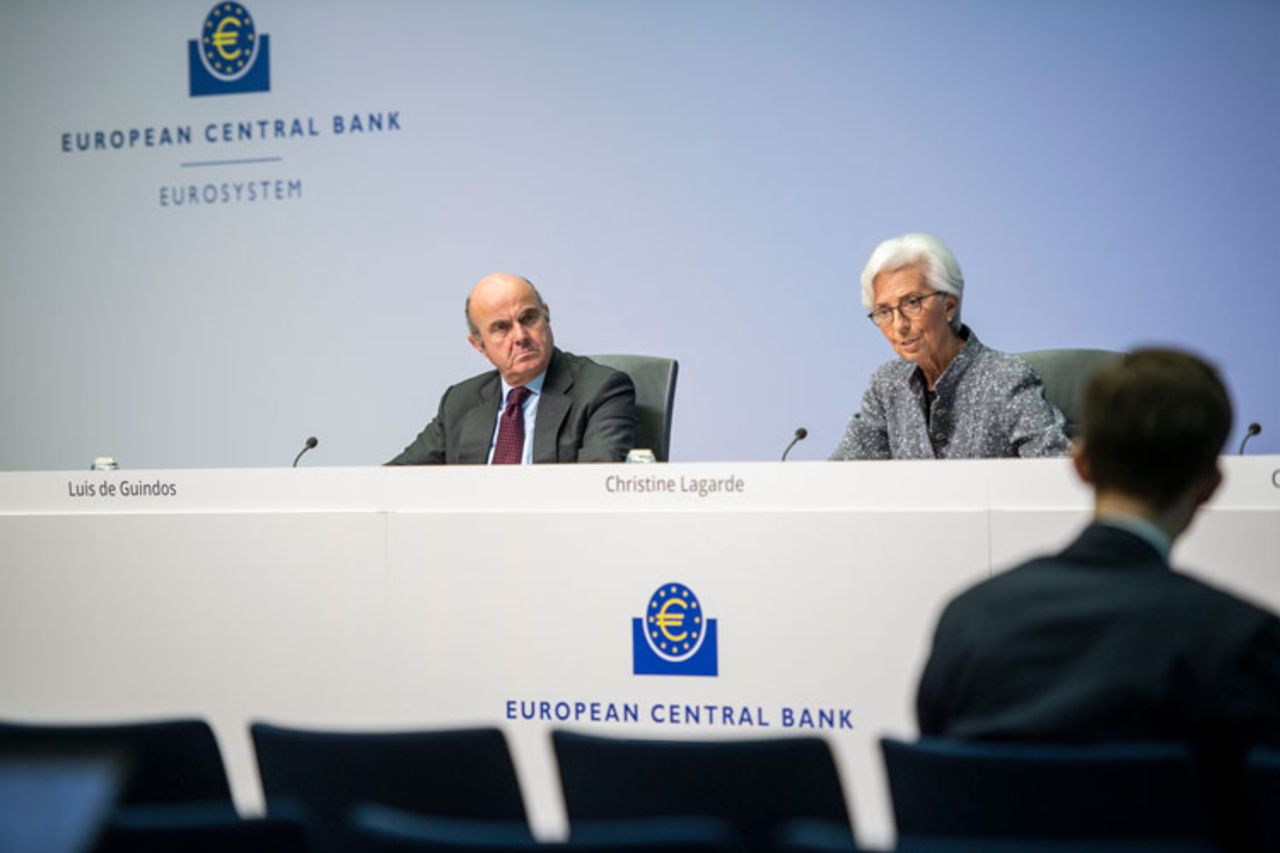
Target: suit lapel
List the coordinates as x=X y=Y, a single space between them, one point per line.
x=476 y=431
x=553 y=407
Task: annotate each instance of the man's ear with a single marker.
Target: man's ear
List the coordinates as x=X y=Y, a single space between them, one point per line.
x=546 y=312
x=1080 y=460
x=476 y=342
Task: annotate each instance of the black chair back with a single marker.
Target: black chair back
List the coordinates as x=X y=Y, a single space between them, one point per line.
x=1065 y=372
x=754 y=785
x=164 y=761
x=655 y=381
x=991 y=790
x=462 y=773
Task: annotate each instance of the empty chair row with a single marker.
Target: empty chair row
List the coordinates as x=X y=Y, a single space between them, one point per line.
x=401 y=786
x=747 y=788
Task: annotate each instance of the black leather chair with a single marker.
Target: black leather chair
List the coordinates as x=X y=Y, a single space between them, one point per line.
x=461 y=773
x=162 y=761
x=946 y=789
x=754 y=785
x=655 y=381
x=1065 y=372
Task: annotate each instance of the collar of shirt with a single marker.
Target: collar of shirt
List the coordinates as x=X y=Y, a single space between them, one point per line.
x=1143 y=529
x=530 y=409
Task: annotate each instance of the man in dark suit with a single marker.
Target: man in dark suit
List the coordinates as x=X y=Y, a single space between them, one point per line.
x=1104 y=641
x=555 y=406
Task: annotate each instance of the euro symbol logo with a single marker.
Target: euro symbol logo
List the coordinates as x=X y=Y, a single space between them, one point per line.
x=666 y=620
x=675 y=621
x=227 y=34
x=228 y=56
x=674 y=637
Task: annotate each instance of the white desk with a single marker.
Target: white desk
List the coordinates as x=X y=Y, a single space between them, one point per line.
x=387 y=598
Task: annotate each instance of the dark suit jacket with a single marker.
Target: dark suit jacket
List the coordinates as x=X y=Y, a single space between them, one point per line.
x=587 y=413
x=1102 y=641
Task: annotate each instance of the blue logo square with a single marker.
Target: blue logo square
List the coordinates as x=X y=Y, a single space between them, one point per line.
x=230 y=57
x=674 y=637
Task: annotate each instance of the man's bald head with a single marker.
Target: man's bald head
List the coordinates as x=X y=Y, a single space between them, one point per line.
x=510 y=325
x=489 y=284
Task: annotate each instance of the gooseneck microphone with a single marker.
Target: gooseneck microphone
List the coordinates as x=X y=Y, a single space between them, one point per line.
x=801 y=435
x=312 y=441
x=1254 y=429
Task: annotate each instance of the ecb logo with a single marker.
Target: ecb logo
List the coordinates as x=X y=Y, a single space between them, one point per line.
x=674 y=637
x=230 y=57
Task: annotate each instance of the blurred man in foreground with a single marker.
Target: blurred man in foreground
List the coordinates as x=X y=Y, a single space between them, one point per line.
x=555 y=406
x=1104 y=641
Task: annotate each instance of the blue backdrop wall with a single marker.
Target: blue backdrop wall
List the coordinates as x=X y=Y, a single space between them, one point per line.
x=205 y=281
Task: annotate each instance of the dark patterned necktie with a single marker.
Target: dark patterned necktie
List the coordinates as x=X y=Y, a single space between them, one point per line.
x=510 y=447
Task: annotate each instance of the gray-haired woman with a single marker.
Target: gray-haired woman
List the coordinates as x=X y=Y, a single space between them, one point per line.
x=947 y=396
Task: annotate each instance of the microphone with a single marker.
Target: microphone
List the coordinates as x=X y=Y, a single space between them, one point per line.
x=801 y=435
x=1254 y=429
x=312 y=441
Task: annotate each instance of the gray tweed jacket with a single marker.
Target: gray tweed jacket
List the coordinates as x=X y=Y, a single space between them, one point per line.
x=987 y=404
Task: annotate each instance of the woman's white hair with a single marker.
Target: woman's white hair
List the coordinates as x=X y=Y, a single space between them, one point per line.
x=941 y=272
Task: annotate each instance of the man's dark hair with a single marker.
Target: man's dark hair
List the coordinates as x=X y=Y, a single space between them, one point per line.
x=1155 y=421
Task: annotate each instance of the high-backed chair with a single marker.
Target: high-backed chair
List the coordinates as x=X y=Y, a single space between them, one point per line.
x=1263 y=768
x=163 y=761
x=755 y=785
x=1065 y=372
x=655 y=381
x=945 y=788
x=460 y=773
x=378 y=829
